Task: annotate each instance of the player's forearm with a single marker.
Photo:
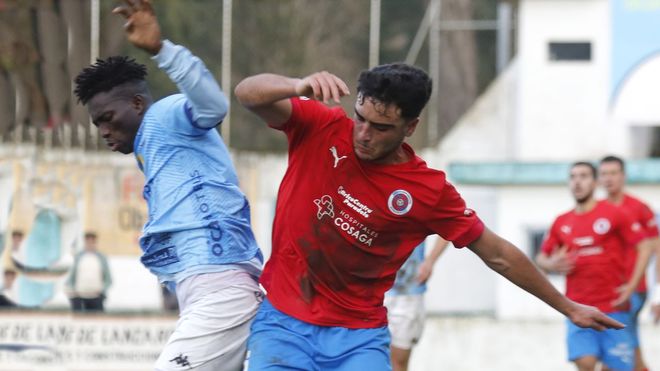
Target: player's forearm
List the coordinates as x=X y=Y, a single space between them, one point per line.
x=524 y=274
x=195 y=81
x=507 y=260
x=265 y=89
x=440 y=246
x=644 y=253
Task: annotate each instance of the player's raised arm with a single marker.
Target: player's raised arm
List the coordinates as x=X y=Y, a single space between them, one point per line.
x=142 y=28
x=268 y=95
x=507 y=260
x=207 y=102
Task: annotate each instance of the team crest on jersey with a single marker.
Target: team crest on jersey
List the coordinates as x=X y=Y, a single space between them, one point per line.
x=601 y=226
x=400 y=202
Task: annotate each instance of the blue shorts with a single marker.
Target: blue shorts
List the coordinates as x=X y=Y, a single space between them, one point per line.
x=281 y=342
x=613 y=347
x=637 y=301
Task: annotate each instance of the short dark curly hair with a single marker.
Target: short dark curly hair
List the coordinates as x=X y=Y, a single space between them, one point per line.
x=107 y=74
x=406 y=86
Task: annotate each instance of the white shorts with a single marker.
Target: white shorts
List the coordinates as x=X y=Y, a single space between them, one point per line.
x=405 y=314
x=216 y=311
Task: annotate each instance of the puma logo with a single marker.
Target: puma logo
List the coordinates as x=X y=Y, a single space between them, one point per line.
x=333 y=149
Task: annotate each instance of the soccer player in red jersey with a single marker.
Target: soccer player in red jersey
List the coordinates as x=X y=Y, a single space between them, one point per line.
x=655 y=294
x=352 y=206
x=613 y=178
x=588 y=244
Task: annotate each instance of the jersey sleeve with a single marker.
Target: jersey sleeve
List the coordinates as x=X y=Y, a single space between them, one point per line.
x=453 y=220
x=648 y=221
x=551 y=240
x=629 y=230
x=175 y=114
x=307 y=117
x=206 y=104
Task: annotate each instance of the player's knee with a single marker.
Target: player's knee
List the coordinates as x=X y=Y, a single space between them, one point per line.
x=400 y=359
x=587 y=363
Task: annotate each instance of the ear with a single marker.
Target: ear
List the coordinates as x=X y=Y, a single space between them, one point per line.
x=139 y=103
x=411 y=126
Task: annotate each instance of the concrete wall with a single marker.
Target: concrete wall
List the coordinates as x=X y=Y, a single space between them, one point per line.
x=562 y=105
x=469 y=344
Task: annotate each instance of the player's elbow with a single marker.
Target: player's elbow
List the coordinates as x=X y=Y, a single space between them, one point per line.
x=249 y=92
x=213 y=113
x=499 y=264
x=219 y=107
x=242 y=93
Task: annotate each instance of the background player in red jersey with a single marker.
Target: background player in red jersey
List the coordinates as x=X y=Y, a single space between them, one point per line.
x=588 y=244
x=655 y=294
x=612 y=177
x=352 y=206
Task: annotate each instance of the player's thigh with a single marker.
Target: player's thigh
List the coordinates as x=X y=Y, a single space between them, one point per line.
x=618 y=348
x=212 y=332
x=344 y=349
x=406 y=319
x=280 y=342
x=581 y=343
x=637 y=301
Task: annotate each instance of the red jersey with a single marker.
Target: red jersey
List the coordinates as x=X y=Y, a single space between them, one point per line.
x=343 y=227
x=642 y=214
x=598 y=240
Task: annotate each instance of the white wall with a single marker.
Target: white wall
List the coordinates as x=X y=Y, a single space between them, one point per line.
x=562 y=106
x=469 y=344
x=461 y=282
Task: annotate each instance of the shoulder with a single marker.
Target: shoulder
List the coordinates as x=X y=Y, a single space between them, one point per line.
x=635 y=202
x=170 y=101
x=168 y=104
x=563 y=217
x=304 y=107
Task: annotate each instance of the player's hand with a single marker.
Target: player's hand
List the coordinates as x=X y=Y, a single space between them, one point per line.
x=590 y=317
x=562 y=261
x=141 y=25
x=424 y=272
x=322 y=86
x=625 y=291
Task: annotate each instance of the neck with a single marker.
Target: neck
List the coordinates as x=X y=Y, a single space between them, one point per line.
x=615 y=198
x=586 y=205
x=400 y=156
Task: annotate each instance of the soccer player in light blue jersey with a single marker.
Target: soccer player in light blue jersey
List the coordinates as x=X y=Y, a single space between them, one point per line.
x=197 y=237
x=405 y=302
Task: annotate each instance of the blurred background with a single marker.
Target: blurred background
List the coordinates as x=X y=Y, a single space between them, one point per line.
x=521 y=90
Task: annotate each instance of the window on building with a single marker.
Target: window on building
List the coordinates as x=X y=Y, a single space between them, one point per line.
x=569 y=51
x=535 y=237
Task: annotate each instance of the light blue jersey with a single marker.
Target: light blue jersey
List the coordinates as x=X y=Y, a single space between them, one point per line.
x=406 y=278
x=199 y=220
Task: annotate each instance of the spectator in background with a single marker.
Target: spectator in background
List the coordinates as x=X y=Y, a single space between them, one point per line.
x=16 y=240
x=6 y=299
x=90 y=278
